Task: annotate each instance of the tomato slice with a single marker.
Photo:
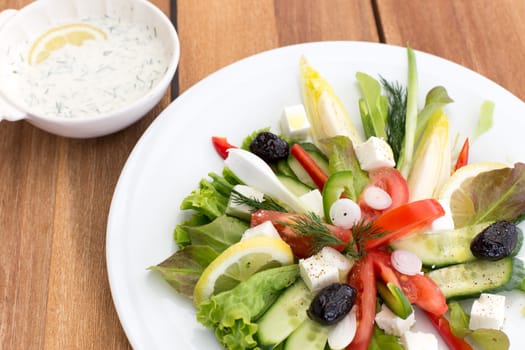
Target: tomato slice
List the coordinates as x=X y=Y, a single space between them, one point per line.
x=362 y=278
x=442 y=325
x=403 y=220
x=390 y=180
x=419 y=289
x=428 y=295
x=302 y=246
x=221 y=145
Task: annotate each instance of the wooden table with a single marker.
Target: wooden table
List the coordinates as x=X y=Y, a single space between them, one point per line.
x=55 y=192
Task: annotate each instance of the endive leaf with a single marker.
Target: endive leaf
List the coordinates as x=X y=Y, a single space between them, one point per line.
x=431 y=165
x=325 y=111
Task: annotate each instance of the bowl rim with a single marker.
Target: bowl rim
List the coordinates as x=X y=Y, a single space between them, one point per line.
x=161 y=86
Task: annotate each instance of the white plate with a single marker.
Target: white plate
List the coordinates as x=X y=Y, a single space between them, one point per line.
x=176 y=152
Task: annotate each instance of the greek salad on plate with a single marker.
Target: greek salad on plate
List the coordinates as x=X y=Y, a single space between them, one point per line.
x=334 y=195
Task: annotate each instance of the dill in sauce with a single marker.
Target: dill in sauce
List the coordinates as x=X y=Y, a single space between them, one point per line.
x=98 y=77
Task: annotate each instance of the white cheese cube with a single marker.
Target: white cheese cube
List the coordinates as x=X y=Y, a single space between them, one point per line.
x=294 y=122
x=242 y=210
x=317 y=273
x=419 y=341
x=374 y=153
x=487 y=312
x=391 y=323
x=266 y=229
x=445 y=222
x=333 y=257
x=313 y=201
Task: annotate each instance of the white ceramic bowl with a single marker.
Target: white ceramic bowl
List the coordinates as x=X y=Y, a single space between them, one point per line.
x=25 y=25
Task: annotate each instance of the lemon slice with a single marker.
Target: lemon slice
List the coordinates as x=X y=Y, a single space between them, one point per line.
x=239 y=262
x=58 y=37
x=461 y=206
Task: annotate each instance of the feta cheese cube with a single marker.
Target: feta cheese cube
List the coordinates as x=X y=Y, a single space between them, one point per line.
x=419 y=341
x=333 y=257
x=487 y=312
x=317 y=273
x=242 y=210
x=294 y=122
x=266 y=229
x=391 y=323
x=374 y=153
x=313 y=201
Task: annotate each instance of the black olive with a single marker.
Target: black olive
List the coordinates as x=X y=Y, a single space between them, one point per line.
x=496 y=241
x=270 y=147
x=332 y=303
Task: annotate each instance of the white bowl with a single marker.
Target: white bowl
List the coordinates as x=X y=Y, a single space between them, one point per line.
x=25 y=25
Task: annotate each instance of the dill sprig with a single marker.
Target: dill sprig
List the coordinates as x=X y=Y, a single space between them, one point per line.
x=268 y=203
x=395 y=123
x=311 y=225
x=365 y=230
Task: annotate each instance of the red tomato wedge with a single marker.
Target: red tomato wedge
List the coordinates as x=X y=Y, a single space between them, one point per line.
x=442 y=325
x=308 y=163
x=221 y=145
x=403 y=220
x=419 y=289
x=391 y=181
x=302 y=246
x=362 y=278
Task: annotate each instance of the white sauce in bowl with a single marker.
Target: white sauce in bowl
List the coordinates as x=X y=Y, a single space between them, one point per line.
x=98 y=77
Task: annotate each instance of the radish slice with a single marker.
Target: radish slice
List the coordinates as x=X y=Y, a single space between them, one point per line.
x=377 y=198
x=345 y=213
x=343 y=332
x=406 y=262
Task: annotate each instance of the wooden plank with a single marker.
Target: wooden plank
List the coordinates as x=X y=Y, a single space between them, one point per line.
x=214 y=34
x=55 y=195
x=483 y=35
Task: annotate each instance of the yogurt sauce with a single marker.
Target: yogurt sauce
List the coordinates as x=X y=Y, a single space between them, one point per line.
x=98 y=77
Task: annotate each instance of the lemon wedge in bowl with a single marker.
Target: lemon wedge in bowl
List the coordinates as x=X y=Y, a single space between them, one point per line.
x=451 y=192
x=239 y=262
x=58 y=37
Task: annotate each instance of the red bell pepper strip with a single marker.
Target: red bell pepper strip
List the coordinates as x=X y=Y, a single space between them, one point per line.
x=308 y=163
x=403 y=220
x=463 y=155
x=362 y=278
x=441 y=324
x=221 y=146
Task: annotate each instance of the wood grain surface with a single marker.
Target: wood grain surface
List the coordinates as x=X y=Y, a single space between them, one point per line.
x=55 y=192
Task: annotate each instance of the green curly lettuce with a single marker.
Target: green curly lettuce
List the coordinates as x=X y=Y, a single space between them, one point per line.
x=232 y=314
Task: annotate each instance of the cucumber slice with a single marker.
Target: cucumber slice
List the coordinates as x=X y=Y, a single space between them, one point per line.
x=437 y=249
x=284 y=169
x=284 y=316
x=309 y=336
x=316 y=155
x=472 y=278
x=295 y=186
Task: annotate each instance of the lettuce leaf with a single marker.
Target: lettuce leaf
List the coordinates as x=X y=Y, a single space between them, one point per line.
x=232 y=314
x=373 y=106
x=342 y=157
x=382 y=341
x=490 y=196
x=219 y=234
x=183 y=269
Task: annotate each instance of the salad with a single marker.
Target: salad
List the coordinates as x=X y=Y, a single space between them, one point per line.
x=320 y=236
